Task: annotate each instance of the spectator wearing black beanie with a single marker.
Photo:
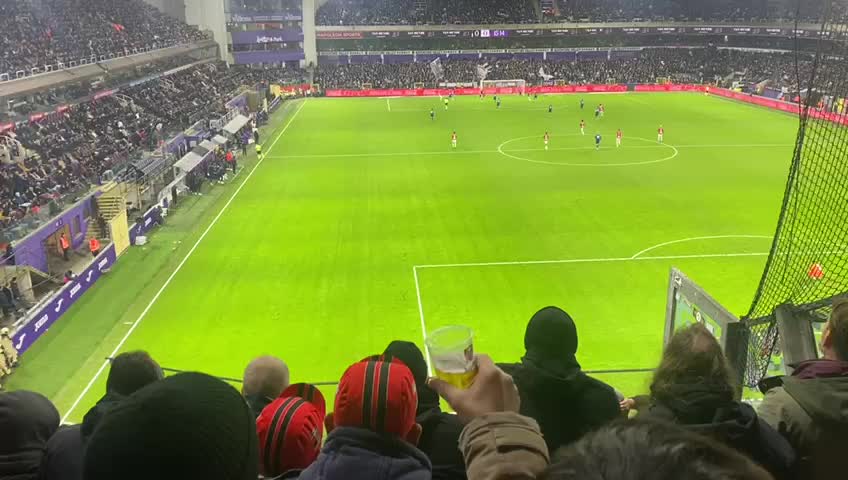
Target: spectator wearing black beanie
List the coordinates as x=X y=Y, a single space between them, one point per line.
x=190 y=425
x=128 y=373
x=27 y=420
x=439 y=430
x=566 y=402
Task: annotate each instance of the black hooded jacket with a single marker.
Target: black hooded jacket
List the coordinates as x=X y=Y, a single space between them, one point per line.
x=66 y=448
x=27 y=420
x=711 y=410
x=567 y=404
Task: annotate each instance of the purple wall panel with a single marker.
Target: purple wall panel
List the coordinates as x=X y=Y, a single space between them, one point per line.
x=562 y=56
x=267 y=36
x=31 y=251
x=592 y=55
x=62 y=301
x=332 y=60
x=529 y=56
x=365 y=59
x=266 y=17
x=464 y=56
x=397 y=58
x=151 y=218
x=243 y=58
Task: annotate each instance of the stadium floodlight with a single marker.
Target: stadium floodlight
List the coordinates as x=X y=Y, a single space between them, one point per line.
x=517 y=86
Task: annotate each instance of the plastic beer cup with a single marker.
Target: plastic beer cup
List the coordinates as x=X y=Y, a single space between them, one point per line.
x=451 y=352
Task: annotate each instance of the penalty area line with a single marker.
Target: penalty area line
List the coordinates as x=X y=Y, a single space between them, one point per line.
x=176 y=270
x=421 y=316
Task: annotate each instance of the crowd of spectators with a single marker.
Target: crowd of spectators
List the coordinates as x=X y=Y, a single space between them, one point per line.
x=402 y=12
x=482 y=12
x=70 y=30
x=646 y=66
x=264 y=7
x=542 y=417
x=69 y=151
x=369 y=12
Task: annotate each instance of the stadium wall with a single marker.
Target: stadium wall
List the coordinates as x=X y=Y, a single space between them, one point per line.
x=47 y=314
x=32 y=250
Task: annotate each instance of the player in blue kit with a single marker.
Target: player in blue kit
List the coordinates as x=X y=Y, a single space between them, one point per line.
x=432 y=114
x=597 y=141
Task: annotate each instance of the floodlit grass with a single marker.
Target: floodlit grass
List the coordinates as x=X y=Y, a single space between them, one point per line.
x=315 y=259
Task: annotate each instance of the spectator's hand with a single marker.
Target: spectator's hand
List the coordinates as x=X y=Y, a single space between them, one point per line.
x=627 y=404
x=492 y=391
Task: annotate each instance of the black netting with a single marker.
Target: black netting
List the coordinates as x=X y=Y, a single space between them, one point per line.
x=809 y=257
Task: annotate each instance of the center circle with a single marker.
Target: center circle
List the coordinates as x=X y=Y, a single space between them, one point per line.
x=643 y=143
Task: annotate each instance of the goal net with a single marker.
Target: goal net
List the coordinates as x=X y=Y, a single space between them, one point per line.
x=808 y=263
x=505 y=86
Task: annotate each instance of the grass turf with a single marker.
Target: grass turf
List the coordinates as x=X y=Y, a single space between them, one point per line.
x=313 y=260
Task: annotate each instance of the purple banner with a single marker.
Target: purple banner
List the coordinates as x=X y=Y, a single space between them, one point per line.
x=243 y=58
x=150 y=219
x=269 y=17
x=267 y=36
x=26 y=336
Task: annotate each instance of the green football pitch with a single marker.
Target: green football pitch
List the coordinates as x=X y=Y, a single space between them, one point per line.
x=363 y=225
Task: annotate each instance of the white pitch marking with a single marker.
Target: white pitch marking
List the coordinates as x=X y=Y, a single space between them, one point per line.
x=588 y=260
x=421 y=315
x=389 y=104
x=692 y=239
x=176 y=270
x=563 y=164
x=477 y=152
x=620 y=259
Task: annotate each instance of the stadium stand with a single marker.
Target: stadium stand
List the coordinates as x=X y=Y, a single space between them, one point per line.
x=68 y=152
x=480 y=12
x=70 y=30
x=366 y=12
x=683 y=65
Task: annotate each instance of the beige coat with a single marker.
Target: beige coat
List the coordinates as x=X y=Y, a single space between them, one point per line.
x=503 y=446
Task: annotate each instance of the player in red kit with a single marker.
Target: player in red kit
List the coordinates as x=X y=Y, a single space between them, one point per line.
x=660 y=133
x=583 y=127
x=453 y=139
x=547 y=139
x=618 y=138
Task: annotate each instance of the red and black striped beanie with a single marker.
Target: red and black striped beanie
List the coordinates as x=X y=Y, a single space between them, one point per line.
x=291 y=430
x=377 y=394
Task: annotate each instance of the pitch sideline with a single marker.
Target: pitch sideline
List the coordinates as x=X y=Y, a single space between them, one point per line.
x=177 y=269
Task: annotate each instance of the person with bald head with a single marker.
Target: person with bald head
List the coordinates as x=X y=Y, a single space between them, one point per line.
x=264 y=380
x=554 y=391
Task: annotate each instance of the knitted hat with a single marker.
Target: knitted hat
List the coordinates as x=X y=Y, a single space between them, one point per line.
x=412 y=357
x=377 y=394
x=291 y=430
x=552 y=333
x=189 y=425
x=27 y=421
